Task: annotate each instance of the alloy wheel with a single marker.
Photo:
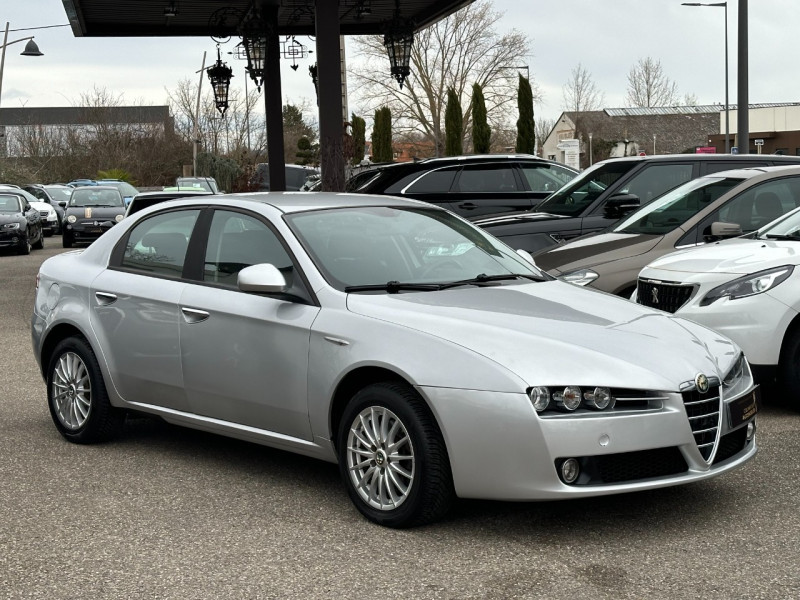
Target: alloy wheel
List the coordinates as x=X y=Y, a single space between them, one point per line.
x=71 y=391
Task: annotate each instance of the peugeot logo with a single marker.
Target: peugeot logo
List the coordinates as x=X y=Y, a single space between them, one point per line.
x=655 y=295
x=701 y=381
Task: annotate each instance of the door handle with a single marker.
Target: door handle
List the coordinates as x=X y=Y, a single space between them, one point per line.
x=468 y=205
x=104 y=298
x=193 y=315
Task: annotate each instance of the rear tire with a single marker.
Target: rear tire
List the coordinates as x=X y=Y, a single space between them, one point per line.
x=77 y=396
x=392 y=457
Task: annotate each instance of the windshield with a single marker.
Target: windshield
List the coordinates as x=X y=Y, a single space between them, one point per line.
x=674 y=208
x=9 y=204
x=200 y=183
x=92 y=196
x=375 y=245
x=787 y=228
x=578 y=194
x=59 y=194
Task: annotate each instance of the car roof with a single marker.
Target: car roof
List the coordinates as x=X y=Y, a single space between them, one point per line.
x=705 y=157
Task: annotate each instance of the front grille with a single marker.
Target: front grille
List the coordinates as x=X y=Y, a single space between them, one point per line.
x=731 y=444
x=43 y=213
x=630 y=466
x=703 y=411
x=668 y=296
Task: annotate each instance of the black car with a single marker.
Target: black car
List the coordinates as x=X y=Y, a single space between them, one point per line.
x=469 y=185
x=90 y=212
x=608 y=191
x=20 y=223
x=296 y=176
x=52 y=194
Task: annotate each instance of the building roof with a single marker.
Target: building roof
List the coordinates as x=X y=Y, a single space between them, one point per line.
x=124 y=18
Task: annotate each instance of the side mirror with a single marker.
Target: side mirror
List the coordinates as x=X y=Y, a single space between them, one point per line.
x=62 y=203
x=263 y=278
x=720 y=229
x=620 y=205
x=526 y=255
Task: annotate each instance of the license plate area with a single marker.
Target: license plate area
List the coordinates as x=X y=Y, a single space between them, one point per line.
x=744 y=408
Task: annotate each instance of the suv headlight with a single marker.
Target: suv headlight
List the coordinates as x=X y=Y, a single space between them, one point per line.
x=749 y=285
x=11 y=226
x=581 y=277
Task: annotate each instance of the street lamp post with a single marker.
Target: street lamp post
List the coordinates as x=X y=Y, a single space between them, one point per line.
x=31 y=49
x=727 y=103
x=591 y=162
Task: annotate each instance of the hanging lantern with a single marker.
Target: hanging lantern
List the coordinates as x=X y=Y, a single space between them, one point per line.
x=220 y=76
x=398 y=40
x=256 y=50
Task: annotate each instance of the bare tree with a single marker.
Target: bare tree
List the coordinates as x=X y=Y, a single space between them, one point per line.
x=648 y=86
x=543 y=129
x=458 y=51
x=581 y=95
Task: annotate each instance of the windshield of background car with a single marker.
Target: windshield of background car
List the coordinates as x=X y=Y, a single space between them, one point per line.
x=674 y=208
x=59 y=194
x=788 y=227
x=375 y=245
x=126 y=189
x=9 y=204
x=578 y=194
x=91 y=196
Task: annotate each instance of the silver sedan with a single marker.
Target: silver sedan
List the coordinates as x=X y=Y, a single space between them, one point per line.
x=426 y=358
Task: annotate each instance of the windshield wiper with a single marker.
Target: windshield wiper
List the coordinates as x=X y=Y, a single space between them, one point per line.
x=394 y=287
x=780 y=236
x=484 y=278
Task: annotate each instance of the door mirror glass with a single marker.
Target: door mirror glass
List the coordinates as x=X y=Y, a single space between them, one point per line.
x=620 y=205
x=263 y=278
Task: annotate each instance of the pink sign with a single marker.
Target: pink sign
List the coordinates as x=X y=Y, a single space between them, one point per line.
x=705 y=150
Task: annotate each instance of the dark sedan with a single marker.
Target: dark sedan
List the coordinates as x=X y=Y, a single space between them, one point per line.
x=90 y=212
x=20 y=223
x=468 y=185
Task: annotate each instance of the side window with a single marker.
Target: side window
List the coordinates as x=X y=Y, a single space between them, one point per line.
x=546 y=178
x=756 y=207
x=487 y=178
x=651 y=182
x=236 y=241
x=158 y=245
x=439 y=181
x=715 y=166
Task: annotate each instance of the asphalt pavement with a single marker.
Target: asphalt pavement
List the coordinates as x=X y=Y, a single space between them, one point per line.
x=166 y=512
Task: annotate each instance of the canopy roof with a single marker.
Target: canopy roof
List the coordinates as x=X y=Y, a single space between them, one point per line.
x=124 y=18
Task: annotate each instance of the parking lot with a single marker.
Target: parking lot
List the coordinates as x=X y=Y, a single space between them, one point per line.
x=165 y=512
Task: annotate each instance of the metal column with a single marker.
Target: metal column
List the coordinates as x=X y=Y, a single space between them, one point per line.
x=274 y=103
x=331 y=126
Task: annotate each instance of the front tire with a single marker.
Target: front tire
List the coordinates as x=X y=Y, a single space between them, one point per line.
x=39 y=245
x=66 y=240
x=24 y=245
x=77 y=396
x=392 y=457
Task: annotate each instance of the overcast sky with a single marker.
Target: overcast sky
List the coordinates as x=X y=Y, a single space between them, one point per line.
x=606 y=36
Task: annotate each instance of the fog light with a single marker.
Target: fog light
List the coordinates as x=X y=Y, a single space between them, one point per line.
x=599 y=399
x=570 y=470
x=570 y=398
x=540 y=398
x=751 y=430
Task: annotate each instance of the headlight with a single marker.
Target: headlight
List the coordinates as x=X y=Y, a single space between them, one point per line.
x=72 y=219
x=570 y=398
x=582 y=277
x=11 y=226
x=540 y=398
x=749 y=285
x=118 y=218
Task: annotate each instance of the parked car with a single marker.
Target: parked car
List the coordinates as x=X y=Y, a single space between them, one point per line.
x=147 y=199
x=608 y=191
x=90 y=212
x=704 y=210
x=468 y=185
x=296 y=176
x=426 y=358
x=50 y=224
x=20 y=223
x=52 y=194
x=208 y=184
x=81 y=182
x=747 y=288
x=125 y=188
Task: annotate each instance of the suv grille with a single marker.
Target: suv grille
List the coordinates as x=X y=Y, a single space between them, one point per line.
x=668 y=296
x=43 y=213
x=703 y=411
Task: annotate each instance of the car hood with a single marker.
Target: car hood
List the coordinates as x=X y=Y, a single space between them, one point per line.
x=737 y=257
x=555 y=333
x=496 y=220
x=593 y=250
x=42 y=206
x=95 y=212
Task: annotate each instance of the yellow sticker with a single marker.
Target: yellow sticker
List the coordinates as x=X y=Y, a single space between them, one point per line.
x=87 y=212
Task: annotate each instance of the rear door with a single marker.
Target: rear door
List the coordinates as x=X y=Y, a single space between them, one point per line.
x=489 y=188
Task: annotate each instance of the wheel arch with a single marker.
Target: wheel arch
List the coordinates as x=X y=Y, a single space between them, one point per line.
x=58 y=333
x=792 y=330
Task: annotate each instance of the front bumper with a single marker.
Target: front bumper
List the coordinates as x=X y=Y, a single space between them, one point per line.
x=501 y=449
x=11 y=238
x=81 y=232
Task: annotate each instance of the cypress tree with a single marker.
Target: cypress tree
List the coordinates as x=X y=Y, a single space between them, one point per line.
x=526 y=132
x=382 y=136
x=481 y=132
x=453 y=125
x=359 y=139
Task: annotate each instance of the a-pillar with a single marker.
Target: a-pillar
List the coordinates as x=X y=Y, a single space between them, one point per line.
x=331 y=126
